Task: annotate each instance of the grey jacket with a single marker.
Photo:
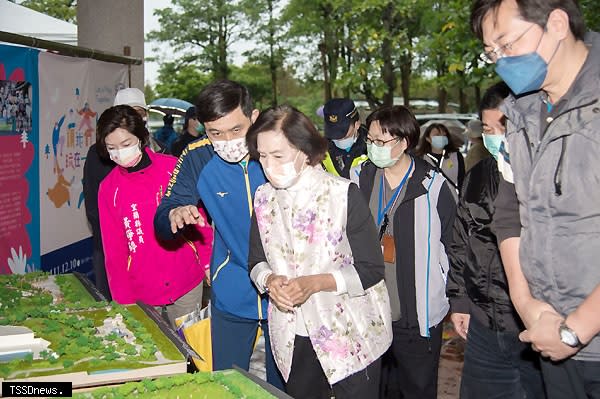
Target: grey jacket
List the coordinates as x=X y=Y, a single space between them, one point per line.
x=556 y=163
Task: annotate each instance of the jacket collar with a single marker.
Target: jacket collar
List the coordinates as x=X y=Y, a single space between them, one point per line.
x=416 y=185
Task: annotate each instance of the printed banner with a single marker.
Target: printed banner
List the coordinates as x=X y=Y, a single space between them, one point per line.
x=19 y=182
x=73 y=94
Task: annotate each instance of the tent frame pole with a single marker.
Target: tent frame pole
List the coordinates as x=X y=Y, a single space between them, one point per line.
x=67 y=49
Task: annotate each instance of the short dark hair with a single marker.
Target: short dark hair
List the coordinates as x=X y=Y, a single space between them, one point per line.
x=220 y=98
x=535 y=11
x=398 y=121
x=493 y=97
x=168 y=119
x=424 y=146
x=119 y=116
x=295 y=126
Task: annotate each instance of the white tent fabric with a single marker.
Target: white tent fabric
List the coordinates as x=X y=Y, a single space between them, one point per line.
x=27 y=22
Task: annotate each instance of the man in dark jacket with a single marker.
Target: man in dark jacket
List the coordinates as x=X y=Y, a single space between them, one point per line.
x=346 y=136
x=166 y=135
x=543 y=53
x=192 y=129
x=496 y=364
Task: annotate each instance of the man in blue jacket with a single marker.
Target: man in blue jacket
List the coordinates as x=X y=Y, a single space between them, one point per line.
x=216 y=171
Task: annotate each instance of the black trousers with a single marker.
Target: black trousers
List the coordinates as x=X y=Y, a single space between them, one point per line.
x=571 y=379
x=410 y=366
x=307 y=379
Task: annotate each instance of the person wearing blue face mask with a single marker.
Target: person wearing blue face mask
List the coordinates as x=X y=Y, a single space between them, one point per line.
x=192 y=129
x=544 y=54
x=413 y=207
x=438 y=147
x=346 y=136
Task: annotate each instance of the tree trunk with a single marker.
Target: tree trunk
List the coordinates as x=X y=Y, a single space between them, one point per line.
x=272 y=61
x=442 y=99
x=477 y=91
x=222 y=69
x=326 y=81
x=388 y=75
x=405 y=74
x=442 y=92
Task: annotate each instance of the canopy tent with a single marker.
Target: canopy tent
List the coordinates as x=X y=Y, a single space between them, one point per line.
x=27 y=22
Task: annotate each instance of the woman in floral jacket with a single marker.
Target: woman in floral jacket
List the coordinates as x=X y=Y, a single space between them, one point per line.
x=314 y=249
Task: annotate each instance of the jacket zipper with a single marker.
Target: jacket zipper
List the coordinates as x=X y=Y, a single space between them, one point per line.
x=222 y=265
x=558 y=170
x=244 y=166
x=192 y=246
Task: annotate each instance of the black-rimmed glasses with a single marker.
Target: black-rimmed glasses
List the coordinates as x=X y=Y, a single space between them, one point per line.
x=381 y=143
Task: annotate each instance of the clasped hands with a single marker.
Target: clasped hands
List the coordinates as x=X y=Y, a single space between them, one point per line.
x=288 y=293
x=542 y=323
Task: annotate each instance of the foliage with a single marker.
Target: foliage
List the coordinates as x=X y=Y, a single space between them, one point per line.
x=591 y=13
x=61 y=9
x=203 y=31
x=182 y=81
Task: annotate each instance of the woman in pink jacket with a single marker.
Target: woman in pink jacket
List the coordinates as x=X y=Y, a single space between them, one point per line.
x=139 y=266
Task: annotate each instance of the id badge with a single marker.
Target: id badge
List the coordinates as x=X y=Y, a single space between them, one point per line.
x=389 y=248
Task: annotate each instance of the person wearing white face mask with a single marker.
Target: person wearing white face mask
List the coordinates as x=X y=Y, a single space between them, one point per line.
x=346 y=136
x=413 y=208
x=438 y=147
x=95 y=170
x=216 y=170
x=139 y=267
x=313 y=248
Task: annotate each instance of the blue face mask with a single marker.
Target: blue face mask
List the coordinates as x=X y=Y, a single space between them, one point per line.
x=345 y=144
x=492 y=142
x=200 y=128
x=439 y=142
x=523 y=73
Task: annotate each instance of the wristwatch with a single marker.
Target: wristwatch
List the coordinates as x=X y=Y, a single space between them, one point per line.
x=568 y=336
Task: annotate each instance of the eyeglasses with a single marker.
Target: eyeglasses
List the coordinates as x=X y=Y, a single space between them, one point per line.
x=381 y=143
x=495 y=54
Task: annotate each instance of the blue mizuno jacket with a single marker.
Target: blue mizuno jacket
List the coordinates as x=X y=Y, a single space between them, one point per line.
x=227 y=192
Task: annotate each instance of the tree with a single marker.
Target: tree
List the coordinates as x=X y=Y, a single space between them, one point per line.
x=61 y=9
x=182 y=81
x=202 y=30
x=591 y=13
x=318 y=24
x=266 y=30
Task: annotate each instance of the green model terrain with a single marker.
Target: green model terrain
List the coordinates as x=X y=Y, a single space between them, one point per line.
x=228 y=384
x=60 y=310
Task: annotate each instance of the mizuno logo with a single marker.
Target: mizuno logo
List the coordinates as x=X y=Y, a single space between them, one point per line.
x=221 y=194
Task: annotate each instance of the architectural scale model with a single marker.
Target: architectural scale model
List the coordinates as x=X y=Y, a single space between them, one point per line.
x=52 y=329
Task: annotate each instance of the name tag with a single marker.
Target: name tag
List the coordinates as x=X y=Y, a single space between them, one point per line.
x=389 y=248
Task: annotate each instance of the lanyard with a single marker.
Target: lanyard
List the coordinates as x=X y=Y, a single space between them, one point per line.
x=381 y=213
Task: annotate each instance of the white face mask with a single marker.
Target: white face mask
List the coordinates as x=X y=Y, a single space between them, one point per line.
x=284 y=175
x=231 y=150
x=126 y=157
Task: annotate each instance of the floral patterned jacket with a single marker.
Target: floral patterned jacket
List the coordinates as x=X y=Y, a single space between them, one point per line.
x=303 y=232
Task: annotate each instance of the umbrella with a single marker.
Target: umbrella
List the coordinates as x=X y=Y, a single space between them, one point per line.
x=172 y=106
